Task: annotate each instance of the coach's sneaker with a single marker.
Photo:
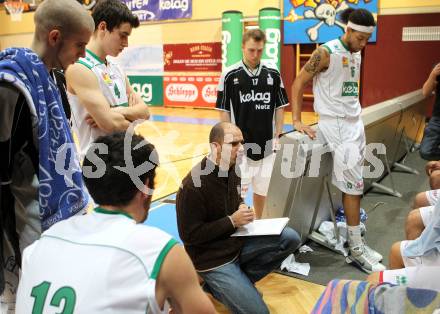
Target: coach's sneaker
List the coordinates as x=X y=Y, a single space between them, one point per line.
x=360 y=257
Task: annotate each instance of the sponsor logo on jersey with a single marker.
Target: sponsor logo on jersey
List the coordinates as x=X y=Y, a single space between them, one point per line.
x=107 y=79
x=353 y=71
x=262 y=107
x=269 y=80
x=345 y=62
x=350 y=89
x=254 y=97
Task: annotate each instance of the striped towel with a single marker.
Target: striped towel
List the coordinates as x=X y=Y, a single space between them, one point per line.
x=345 y=296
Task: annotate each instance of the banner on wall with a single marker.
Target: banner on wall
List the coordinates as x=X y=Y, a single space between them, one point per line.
x=191 y=91
x=192 y=57
x=149 y=87
x=153 y=10
x=141 y=60
x=232 y=34
x=144 y=67
x=269 y=22
x=318 y=21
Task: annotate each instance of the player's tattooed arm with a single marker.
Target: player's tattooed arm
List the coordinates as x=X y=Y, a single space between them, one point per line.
x=317 y=62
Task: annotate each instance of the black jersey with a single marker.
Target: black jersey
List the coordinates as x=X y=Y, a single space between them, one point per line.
x=253 y=98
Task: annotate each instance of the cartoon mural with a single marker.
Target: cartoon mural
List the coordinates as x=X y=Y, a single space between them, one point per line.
x=317 y=21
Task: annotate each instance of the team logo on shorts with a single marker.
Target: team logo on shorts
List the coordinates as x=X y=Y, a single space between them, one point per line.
x=359 y=185
x=401 y=280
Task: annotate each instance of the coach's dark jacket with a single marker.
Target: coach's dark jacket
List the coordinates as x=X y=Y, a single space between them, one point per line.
x=203 y=204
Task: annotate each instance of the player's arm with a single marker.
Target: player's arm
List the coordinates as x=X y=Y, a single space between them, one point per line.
x=279 y=121
x=136 y=109
x=431 y=82
x=319 y=61
x=177 y=282
x=84 y=84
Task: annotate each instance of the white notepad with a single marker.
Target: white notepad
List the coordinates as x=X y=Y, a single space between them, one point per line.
x=272 y=226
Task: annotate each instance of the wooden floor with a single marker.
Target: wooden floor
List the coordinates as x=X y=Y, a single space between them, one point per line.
x=284 y=295
x=181 y=145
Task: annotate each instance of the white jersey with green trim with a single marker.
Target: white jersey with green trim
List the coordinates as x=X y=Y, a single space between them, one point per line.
x=336 y=90
x=102 y=262
x=112 y=83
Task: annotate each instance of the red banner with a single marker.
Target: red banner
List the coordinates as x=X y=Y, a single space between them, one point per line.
x=193 y=57
x=191 y=91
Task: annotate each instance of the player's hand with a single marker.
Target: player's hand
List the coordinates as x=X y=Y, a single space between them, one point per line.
x=431 y=166
x=436 y=71
x=90 y=121
x=243 y=215
x=276 y=144
x=304 y=129
x=133 y=99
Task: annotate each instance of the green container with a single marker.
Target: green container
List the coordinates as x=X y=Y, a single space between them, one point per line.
x=269 y=21
x=232 y=33
x=149 y=87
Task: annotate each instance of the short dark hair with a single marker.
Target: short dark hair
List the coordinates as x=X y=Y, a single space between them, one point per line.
x=358 y=16
x=115 y=187
x=217 y=133
x=113 y=13
x=256 y=34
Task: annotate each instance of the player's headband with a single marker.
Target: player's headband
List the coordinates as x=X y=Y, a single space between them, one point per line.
x=360 y=28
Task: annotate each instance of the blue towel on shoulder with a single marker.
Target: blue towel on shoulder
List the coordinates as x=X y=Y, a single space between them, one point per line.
x=61 y=188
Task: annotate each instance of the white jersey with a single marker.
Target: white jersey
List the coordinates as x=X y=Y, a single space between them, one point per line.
x=112 y=83
x=336 y=90
x=98 y=263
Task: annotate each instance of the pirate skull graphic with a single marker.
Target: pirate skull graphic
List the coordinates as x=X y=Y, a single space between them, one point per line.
x=324 y=12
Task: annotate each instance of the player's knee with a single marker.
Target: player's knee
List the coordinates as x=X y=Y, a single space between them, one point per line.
x=414 y=224
x=420 y=200
x=434 y=180
x=395 y=255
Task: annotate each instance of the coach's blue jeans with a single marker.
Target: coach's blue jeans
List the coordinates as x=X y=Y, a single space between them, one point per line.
x=430 y=145
x=233 y=283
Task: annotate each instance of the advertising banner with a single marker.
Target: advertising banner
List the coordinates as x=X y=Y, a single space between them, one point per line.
x=269 y=22
x=191 y=91
x=318 y=21
x=153 y=10
x=149 y=87
x=141 y=60
x=232 y=33
x=204 y=57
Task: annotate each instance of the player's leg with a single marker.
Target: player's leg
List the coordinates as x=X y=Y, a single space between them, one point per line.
x=397 y=260
x=417 y=220
x=434 y=180
x=347 y=176
x=258 y=201
x=260 y=182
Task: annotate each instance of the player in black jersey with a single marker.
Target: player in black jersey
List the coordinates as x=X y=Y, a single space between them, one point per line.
x=251 y=94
